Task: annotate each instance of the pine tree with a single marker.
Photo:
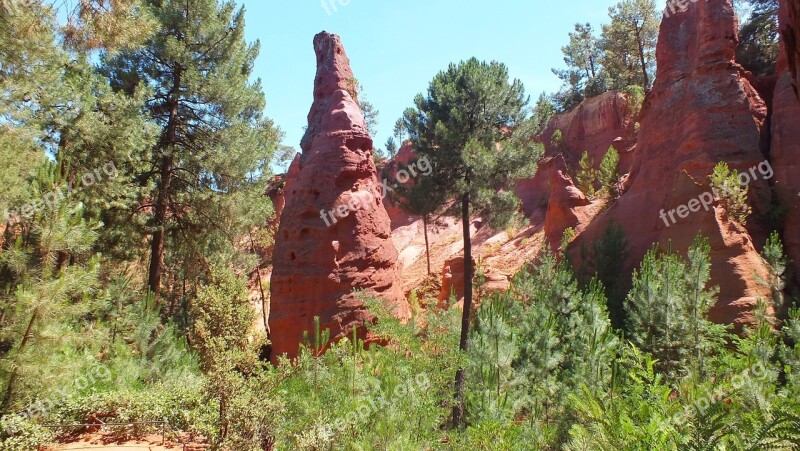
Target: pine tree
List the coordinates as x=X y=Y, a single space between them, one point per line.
x=214 y=141
x=608 y=174
x=222 y=318
x=493 y=349
x=628 y=43
x=668 y=306
x=587 y=175
x=605 y=259
x=582 y=78
x=790 y=352
x=472 y=127
x=50 y=269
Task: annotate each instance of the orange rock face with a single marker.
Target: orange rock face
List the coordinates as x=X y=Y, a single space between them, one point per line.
x=701 y=111
x=334 y=234
x=551 y=197
x=785 y=150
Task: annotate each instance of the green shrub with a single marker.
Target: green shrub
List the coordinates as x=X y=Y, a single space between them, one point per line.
x=18 y=433
x=731 y=194
x=636 y=98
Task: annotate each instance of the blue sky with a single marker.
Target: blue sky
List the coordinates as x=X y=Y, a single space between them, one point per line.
x=397 y=46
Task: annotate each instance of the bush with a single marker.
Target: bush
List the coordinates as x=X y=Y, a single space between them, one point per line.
x=18 y=433
x=731 y=193
x=636 y=98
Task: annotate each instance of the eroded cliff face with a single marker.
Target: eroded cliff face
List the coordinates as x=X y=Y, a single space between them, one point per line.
x=700 y=111
x=334 y=233
x=785 y=149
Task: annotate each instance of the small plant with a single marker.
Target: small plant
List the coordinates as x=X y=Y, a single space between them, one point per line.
x=635 y=99
x=557 y=140
x=608 y=174
x=587 y=175
x=732 y=195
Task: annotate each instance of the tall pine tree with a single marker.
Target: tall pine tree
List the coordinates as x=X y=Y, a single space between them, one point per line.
x=473 y=129
x=215 y=142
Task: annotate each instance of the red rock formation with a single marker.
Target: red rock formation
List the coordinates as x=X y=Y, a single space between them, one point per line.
x=593 y=126
x=317 y=266
x=566 y=207
x=785 y=150
x=701 y=111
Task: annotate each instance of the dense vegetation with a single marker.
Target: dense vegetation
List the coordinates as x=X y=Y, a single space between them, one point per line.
x=135 y=153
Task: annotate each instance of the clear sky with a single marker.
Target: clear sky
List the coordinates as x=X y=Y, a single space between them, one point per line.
x=397 y=46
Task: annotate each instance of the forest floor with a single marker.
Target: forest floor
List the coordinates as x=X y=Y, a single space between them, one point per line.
x=149 y=443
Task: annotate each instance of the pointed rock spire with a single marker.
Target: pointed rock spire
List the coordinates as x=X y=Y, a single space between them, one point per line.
x=334 y=233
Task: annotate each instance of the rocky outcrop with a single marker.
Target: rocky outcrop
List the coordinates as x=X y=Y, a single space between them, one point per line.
x=785 y=149
x=551 y=197
x=700 y=111
x=334 y=234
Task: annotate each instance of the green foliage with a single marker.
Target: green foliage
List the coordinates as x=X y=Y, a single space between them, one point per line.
x=622 y=56
x=732 y=195
x=21 y=434
x=759 y=39
x=542 y=112
x=473 y=129
x=605 y=259
x=587 y=175
x=222 y=317
x=583 y=77
x=535 y=345
x=790 y=353
x=214 y=146
x=776 y=267
x=636 y=96
x=628 y=43
x=608 y=174
x=557 y=140
x=667 y=309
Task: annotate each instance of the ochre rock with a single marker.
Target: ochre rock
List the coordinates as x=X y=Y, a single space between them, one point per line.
x=565 y=208
x=593 y=126
x=785 y=149
x=317 y=265
x=700 y=111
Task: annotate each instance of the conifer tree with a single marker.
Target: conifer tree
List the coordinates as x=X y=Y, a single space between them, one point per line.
x=472 y=127
x=214 y=141
x=587 y=175
x=608 y=174
x=50 y=269
x=628 y=43
x=668 y=306
x=790 y=352
x=222 y=319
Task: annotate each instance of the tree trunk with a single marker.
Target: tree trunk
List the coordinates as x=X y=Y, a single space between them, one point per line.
x=427 y=242
x=642 y=59
x=459 y=410
x=167 y=163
